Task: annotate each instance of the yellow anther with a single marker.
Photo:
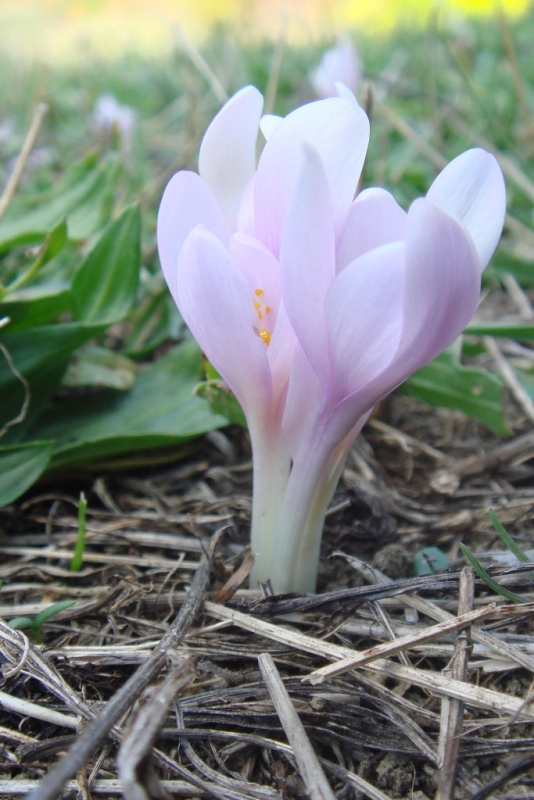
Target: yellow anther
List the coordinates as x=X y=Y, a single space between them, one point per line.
x=258 y=292
x=265 y=335
x=267 y=309
x=256 y=304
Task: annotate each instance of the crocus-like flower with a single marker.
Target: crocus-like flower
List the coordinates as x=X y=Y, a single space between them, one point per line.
x=339 y=64
x=311 y=303
x=112 y=118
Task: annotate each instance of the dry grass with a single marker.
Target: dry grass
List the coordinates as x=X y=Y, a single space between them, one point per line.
x=415 y=685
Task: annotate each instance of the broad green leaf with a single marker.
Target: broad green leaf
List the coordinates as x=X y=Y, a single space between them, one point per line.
x=35 y=305
x=159 y=411
x=105 y=285
x=445 y=382
x=151 y=324
x=82 y=197
x=20 y=467
x=41 y=355
x=97 y=366
x=54 y=243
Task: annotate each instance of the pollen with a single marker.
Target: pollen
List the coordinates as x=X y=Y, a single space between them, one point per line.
x=265 y=335
x=258 y=292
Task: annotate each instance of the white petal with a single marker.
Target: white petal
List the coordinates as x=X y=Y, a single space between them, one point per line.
x=471 y=189
x=374 y=219
x=187 y=202
x=227 y=157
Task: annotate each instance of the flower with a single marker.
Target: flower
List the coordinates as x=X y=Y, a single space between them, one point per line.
x=339 y=64
x=110 y=118
x=314 y=305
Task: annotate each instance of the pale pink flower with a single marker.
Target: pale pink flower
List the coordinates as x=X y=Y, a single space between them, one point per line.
x=314 y=305
x=339 y=64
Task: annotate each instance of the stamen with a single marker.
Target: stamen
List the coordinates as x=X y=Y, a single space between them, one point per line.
x=265 y=335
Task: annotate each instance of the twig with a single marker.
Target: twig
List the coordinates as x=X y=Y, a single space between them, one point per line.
x=139 y=737
x=520 y=447
x=197 y=59
x=310 y=769
x=510 y=378
x=507 y=650
x=472 y=695
x=27 y=394
x=276 y=63
x=27 y=147
x=452 y=711
x=27 y=709
x=399 y=645
x=52 y=784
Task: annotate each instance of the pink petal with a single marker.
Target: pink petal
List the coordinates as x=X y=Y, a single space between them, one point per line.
x=216 y=303
x=364 y=312
x=339 y=129
x=442 y=282
x=262 y=274
x=186 y=203
x=442 y=287
x=374 y=219
x=268 y=123
x=227 y=158
x=307 y=260
x=304 y=401
x=471 y=188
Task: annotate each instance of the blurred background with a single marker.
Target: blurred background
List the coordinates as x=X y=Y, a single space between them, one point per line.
x=69 y=30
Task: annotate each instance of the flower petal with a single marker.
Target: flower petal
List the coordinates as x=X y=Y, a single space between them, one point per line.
x=364 y=312
x=307 y=260
x=215 y=301
x=187 y=202
x=375 y=218
x=442 y=287
x=339 y=129
x=268 y=123
x=227 y=157
x=471 y=189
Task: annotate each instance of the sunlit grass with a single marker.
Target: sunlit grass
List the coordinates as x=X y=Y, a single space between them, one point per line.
x=68 y=30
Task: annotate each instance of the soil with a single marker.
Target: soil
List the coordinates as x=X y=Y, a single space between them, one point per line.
x=405 y=487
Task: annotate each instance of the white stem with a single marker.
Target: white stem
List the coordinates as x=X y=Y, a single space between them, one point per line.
x=271 y=465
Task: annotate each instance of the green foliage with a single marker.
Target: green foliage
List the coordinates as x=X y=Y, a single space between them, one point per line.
x=93 y=367
x=40 y=619
x=476 y=392
x=488 y=580
x=79 y=550
x=105 y=285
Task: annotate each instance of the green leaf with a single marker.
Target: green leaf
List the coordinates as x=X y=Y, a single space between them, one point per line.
x=159 y=411
x=151 y=324
x=97 y=366
x=79 y=550
x=54 y=243
x=509 y=331
x=507 y=539
x=488 y=580
x=83 y=197
x=41 y=355
x=20 y=467
x=105 y=285
x=35 y=305
x=222 y=401
x=445 y=382
x=51 y=611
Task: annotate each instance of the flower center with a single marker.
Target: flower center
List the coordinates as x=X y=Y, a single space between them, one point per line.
x=262 y=311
